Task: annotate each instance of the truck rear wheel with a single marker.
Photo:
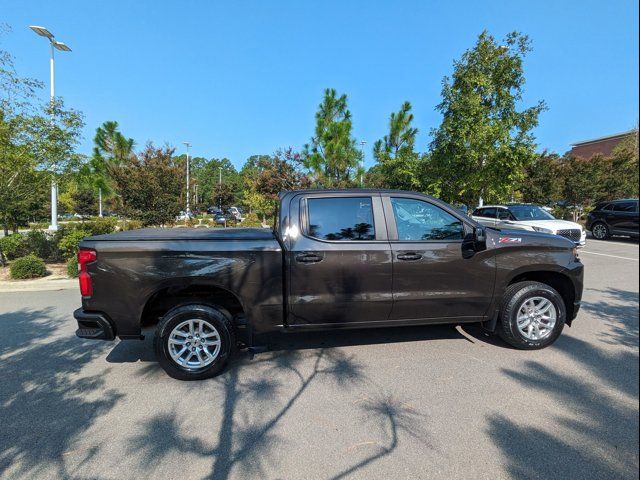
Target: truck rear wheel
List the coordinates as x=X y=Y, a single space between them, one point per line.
x=533 y=315
x=194 y=341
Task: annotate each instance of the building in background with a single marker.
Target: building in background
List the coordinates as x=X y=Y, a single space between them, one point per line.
x=602 y=145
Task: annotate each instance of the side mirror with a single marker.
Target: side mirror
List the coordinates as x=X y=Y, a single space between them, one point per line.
x=480 y=234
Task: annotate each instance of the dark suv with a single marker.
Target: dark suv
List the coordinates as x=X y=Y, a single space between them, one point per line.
x=618 y=217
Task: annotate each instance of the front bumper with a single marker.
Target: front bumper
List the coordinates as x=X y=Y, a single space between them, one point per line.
x=576 y=309
x=94 y=325
x=583 y=239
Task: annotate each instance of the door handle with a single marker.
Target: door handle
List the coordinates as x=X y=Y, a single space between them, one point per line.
x=309 y=258
x=409 y=256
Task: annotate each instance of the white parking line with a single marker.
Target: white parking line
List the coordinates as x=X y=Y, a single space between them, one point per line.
x=607 y=255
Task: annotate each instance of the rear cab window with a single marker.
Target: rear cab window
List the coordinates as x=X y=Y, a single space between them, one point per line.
x=340 y=219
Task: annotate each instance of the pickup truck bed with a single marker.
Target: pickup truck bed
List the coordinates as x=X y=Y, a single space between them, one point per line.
x=244 y=265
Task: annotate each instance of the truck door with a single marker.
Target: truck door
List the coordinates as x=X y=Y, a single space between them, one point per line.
x=431 y=279
x=340 y=268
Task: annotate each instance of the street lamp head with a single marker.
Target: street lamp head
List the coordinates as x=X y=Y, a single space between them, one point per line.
x=61 y=46
x=43 y=32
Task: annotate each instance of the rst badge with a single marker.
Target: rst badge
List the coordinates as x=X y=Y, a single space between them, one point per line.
x=510 y=240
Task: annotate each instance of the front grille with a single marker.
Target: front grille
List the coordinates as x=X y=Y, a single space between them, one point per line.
x=574 y=234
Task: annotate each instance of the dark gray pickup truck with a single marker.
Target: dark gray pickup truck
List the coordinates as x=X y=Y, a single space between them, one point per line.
x=336 y=259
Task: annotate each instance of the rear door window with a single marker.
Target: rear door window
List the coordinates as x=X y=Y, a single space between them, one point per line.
x=625 y=207
x=485 y=212
x=341 y=218
x=504 y=214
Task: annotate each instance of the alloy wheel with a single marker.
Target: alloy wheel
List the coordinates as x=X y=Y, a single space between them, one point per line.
x=536 y=318
x=194 y=344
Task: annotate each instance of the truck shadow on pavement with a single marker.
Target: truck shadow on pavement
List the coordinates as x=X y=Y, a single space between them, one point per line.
x=277 y=380
x=599 y=397
x=46 y=404
x=135 y=351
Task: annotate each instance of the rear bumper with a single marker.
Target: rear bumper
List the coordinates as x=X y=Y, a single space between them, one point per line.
x=94 y=325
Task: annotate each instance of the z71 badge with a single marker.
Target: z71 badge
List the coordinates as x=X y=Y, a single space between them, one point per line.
x=510 y=240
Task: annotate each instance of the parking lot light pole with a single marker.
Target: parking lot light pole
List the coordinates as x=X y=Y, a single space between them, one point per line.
x=187 y=144
x=362 y=143
x=43 y=32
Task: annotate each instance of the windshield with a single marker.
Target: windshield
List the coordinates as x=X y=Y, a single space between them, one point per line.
x=530 y=212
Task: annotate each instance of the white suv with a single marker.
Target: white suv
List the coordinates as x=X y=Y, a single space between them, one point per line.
x=529 y=217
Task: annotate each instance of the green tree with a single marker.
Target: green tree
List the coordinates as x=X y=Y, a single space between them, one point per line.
x=543 y=181
x=581 y=187
x=149 y=185
x=209 y=174
x=53 y=138
x=23 y=183
x=398 y=164
x=110 y=146
x=84 y=202
x=332 y=156
x=484 y=141
x=621 y=179
x=264 y=177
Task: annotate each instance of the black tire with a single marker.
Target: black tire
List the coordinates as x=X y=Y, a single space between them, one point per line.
x=514 y=298
x=600 y=231
x=175 y=317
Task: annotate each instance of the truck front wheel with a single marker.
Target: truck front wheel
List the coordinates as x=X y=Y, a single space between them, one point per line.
x=533 y=315
x=194 y=342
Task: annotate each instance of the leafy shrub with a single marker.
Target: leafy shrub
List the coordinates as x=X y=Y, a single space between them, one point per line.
x=130 y=224
x=27 y=267
x=40 y=244
x=251 y=220
x=13 y=246
x=39 y=226
x=70 y=242
x=72 y=267
x=101 y=226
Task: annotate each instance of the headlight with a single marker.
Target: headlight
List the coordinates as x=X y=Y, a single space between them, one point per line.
x=543 y=230
x=576 y=255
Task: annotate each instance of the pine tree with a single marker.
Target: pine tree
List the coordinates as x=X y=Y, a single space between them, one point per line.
x=332 y=156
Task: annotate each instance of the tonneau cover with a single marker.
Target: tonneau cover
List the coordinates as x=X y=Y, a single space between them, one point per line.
x=144 y=234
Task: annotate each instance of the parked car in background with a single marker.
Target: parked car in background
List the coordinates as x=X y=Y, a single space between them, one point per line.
x=521 y=216
x=618 y=217
x=236 y=213
x=182 y=216
x=220 y=218
x=213 y=210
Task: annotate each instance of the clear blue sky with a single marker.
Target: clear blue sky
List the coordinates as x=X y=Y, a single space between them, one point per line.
x=245 y=77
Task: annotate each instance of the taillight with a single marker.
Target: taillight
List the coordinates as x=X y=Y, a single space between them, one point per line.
x=85 y=256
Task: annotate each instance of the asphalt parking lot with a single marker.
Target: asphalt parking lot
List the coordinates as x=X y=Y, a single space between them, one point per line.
x=428 y=402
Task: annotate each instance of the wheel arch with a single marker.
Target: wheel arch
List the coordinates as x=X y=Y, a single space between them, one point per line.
x=557 y=280
x=176 y=293
x=553 y=277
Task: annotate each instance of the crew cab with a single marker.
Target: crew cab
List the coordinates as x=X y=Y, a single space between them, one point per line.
x=336 y=259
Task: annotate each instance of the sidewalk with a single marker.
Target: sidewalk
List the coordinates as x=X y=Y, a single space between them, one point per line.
x=48 y=283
